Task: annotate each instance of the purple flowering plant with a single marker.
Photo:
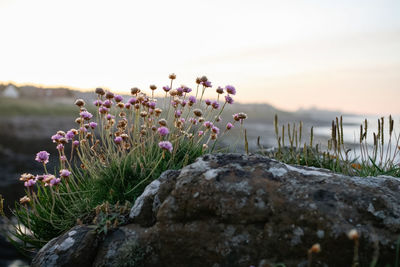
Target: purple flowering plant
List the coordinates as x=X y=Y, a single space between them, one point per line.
x=119 y=149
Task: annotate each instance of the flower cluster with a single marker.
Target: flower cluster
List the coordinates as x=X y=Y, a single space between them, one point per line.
x=141 y=125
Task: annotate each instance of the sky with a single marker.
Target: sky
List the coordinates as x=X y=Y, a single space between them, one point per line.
x=337 y=55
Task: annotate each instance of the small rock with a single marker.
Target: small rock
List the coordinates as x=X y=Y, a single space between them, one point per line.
x=78 y=247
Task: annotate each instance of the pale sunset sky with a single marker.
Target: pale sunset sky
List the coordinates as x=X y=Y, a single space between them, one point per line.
x=341 y=54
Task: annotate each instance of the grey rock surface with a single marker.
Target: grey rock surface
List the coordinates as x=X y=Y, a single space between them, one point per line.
x=238 y=210
x=77 y=247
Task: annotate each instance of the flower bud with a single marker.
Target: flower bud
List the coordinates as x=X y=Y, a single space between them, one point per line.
x=135 y=90
x=220 y=90
x=80 y=102
x=26 y=176
x=162 y=122
x=100 y=91
x=24 y=200
x=158 y=111
x=109 y=95
x=353 y=234
x=173 y=92
x=316 y=248
x=198 y=112
x=203 y=78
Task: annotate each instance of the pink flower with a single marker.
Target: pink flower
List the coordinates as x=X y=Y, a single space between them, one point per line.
x=55 y=181
x=208 y=124
x=56 y=138
x=215 y=104
x=229 y=99
x=65 y=173
x=174 y=103
x=107 y=103
x=178 y=113
x=60 y=147
x=179 y=91
x=215 y=129
x=229 y=126
x=43 y=157
x=110 y=117
x=230 y=89
x=193 y=121
x=165 y=145
x=207 y=84
x=118 y=98
x=86 y=115
x=152 y=105
x=30 y=183
x=97 y=103
x=70 y=135
x=103 y=110
x=118 y=140
x=187 y=89
x=132 y=101
x=163 y=131
x=192 y=100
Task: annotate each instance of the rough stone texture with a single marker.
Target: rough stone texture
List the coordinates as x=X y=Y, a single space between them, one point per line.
x=237 y=210
x=146 y=206
x=77 y=247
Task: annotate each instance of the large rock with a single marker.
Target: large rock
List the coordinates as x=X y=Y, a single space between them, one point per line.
x=237 y=210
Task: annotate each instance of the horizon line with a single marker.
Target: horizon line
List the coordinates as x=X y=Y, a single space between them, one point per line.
x=87 y=90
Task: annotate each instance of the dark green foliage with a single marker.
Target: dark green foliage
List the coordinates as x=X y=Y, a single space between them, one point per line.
x=124 y=180
x=120 y=182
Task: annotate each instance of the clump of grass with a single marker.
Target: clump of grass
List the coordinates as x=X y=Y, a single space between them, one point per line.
x=380 y=158
x=115 y=154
